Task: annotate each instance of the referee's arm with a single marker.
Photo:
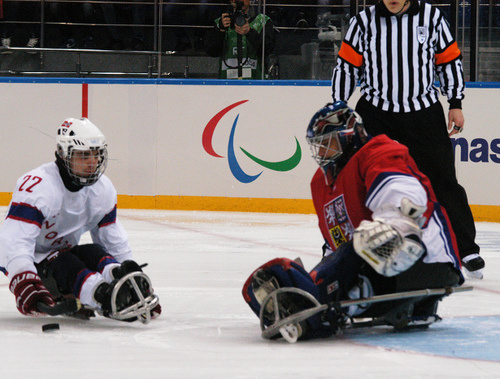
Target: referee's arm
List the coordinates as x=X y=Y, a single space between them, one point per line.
x=349 y=65
x=448 y=61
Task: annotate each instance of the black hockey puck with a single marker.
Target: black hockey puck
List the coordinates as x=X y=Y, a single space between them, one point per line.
x=49 y=327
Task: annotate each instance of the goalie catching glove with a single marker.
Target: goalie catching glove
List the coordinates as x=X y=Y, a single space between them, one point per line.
x=391 y=243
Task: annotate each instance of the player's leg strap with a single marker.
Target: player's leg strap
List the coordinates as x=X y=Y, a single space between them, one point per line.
x=63 y=272
x=93 y=256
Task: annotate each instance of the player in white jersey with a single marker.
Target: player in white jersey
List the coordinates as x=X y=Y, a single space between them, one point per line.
x=384 y=233
x=51 y=207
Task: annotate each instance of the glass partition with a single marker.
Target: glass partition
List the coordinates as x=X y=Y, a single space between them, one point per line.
x=288 y=40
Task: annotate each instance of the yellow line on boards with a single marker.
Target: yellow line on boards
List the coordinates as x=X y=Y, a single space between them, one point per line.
x=488 y=213
x=213 y=203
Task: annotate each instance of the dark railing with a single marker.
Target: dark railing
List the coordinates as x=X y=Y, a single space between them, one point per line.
x=165 y=38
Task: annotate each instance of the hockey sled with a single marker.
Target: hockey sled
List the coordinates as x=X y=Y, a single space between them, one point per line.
x=141 y=309
x=289 y=326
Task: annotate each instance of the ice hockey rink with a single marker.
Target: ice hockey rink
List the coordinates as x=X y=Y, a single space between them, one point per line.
x=198 y=262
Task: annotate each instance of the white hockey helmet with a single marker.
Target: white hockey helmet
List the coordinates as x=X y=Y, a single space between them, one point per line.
x=81 y=135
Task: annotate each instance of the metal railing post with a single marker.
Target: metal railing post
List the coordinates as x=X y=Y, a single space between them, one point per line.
x=159 y=3
x=78 y=64
x=353 y=8
x=454 y=18
x=42 y=32
x=263 y=58
x=474 y=34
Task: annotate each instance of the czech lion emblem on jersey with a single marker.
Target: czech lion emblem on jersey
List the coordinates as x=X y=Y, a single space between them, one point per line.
x=338 y=222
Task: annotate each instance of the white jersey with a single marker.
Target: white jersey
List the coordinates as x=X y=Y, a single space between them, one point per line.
x=44 y=216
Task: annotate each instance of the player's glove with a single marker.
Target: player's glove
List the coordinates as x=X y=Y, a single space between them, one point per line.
x=29 y=290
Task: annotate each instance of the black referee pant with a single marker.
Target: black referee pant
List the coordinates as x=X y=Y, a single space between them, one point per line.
x=425 y=133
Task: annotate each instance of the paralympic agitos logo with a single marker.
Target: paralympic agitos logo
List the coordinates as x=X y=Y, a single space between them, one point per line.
x=234 y=166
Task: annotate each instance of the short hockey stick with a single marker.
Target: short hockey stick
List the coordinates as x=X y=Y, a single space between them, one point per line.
x=60 y=308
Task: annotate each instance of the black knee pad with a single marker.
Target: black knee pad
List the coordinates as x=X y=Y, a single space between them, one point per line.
x=93 y=256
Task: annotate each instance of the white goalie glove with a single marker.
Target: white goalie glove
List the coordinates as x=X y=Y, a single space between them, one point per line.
x=391 y=243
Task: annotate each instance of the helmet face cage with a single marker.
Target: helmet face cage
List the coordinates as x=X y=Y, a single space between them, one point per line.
x=330 y=132
x=83 y=149
x=84 y=179
x=323 y=149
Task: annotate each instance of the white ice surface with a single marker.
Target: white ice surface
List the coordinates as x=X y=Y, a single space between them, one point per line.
x=198 y=262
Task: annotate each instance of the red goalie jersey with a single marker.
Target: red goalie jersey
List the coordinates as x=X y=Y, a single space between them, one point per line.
x=381 y=172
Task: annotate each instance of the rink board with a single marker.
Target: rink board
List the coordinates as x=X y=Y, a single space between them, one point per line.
x=209 y=144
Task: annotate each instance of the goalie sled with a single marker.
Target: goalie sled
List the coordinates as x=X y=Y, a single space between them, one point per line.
x=289 y=327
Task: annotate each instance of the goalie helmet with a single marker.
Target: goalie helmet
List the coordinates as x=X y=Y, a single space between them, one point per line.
x=334 y=135
x=80 y=138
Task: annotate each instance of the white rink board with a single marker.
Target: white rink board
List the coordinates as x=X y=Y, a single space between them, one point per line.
x=266 y=127
x=481 y=109
x=155 y=135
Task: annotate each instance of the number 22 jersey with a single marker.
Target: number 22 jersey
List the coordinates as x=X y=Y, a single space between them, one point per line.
x=44 y=216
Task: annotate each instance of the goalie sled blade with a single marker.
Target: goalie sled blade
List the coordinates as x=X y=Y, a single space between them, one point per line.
x=274 y=330
x=290 y=332
x=61 y=308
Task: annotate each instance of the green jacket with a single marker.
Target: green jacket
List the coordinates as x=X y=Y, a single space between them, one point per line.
x=224 y=44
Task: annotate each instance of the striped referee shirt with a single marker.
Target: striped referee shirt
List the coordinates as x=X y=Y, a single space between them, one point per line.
x=396 y=59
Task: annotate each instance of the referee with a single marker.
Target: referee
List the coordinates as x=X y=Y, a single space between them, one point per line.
x=395 y=49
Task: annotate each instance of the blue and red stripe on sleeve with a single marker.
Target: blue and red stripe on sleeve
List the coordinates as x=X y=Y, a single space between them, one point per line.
x=110 y=218
x=26 y=213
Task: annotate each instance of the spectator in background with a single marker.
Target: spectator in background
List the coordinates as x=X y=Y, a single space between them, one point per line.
x=12 y=13
x=223 y=41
